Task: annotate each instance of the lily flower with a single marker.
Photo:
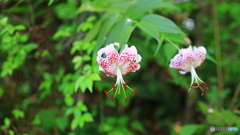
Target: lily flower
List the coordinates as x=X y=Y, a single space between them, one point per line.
x=117 y=64
x=187 y=60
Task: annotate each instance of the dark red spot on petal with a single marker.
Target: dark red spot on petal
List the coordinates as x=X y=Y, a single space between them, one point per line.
x=134 y=92
x=106 y=93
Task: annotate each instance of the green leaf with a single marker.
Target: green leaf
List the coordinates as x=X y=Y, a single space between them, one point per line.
x=77 y=60
x=121 y=32
x=188 y=129
x=19 y=27
x=163 y=24
x=87 y=117
x=68 y=100
x=50 y=2
x=159 y=45
x=137 y=126
x=169 y=51
x=7 y=122
x=81 y=106
x=18 y=113
x=36 y=120
x=140 y=7
x=66 y=11
x=1 y=92
x=149 y=29
x=109 y=19
x=62 y=122
x=209 y=57
x=179 y=38
x=74 y=123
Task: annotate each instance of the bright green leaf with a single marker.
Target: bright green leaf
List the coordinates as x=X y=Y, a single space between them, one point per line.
x=87 y=117
x=121 y=32
x=188 y=129
x=68 y=100
x=18 y=113
x=140 y=7
x=149 y=29
x=163 y=24
x=19 y=27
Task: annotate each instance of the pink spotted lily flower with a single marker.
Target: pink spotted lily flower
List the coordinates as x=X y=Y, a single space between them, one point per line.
x=187 y=60
x=117 y=64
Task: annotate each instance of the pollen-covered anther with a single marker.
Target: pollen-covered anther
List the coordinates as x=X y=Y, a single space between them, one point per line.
x=106 y=93
x=134 y=92
x=126 y=99
x=114 y=99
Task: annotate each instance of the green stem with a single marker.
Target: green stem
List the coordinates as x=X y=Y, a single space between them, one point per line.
x=171 y=43
x=218 y=53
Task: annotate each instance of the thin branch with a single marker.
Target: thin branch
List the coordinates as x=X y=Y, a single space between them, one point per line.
x=218 y=53
x=236 y=93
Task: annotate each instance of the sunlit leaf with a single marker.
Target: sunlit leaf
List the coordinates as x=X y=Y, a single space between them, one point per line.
x=121 y=32
x=163 y=24
x=140 y=7
x=149 y=29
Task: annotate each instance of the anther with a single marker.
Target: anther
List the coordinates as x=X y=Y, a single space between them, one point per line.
x=114 y=99
x=125 y=85
x=134 y=92
x=106 y=93
x=114 y=88
x=126 y=99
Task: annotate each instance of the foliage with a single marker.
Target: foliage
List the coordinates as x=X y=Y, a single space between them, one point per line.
x=50 y=82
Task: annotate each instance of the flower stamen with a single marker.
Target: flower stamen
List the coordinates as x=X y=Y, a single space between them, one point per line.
x=106 y=93
x=114 y=88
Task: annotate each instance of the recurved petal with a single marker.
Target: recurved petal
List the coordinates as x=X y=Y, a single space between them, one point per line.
x=200 y=54
x=107 y=59
x=180 y=63
x=187 y=53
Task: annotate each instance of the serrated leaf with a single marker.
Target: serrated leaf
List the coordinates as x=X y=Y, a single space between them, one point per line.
x=163 y=24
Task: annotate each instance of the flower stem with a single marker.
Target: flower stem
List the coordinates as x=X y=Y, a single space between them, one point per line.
x=172 y=43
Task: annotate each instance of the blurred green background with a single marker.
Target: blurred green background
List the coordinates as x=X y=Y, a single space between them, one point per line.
x=50 y=83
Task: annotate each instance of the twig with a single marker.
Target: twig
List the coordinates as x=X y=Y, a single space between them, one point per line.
x=236 y=93
x=218 y=53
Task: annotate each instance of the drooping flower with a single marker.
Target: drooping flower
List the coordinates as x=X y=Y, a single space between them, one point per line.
x=117 y=64
x=187 y=60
